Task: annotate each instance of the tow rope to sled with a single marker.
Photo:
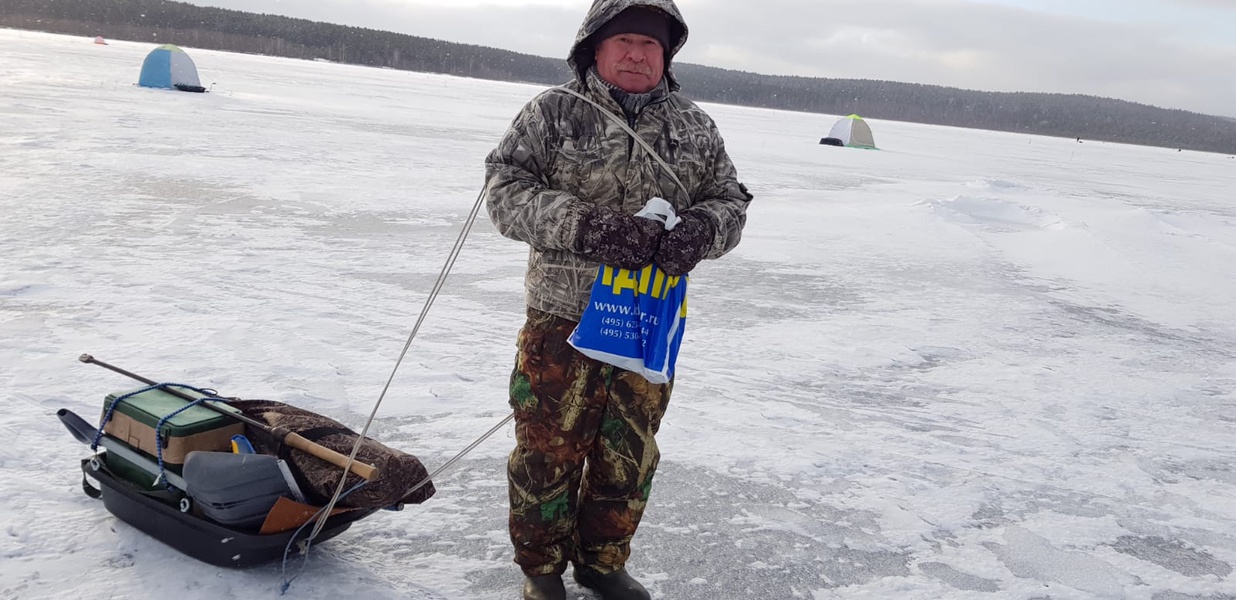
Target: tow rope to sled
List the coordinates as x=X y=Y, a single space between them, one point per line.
x=433 y=295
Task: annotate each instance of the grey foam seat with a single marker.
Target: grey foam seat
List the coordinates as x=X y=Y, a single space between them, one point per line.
x=237 y=490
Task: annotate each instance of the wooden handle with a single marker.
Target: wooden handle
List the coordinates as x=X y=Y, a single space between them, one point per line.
x=295 y=440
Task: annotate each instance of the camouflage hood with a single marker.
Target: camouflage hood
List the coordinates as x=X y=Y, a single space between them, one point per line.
x=602 y=11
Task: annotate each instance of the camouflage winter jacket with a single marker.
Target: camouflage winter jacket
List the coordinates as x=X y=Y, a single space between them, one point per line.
x=561 y=156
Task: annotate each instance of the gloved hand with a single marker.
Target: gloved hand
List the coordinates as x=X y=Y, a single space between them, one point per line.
x=618 y=240
x=685 y=245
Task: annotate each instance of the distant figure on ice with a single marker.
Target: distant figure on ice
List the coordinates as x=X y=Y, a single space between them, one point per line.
x=567 y=179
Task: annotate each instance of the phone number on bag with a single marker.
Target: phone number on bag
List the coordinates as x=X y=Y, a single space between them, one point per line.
x=619 y=334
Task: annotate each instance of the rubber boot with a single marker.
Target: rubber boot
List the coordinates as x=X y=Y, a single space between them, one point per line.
x=544 y=587
x=618 y=585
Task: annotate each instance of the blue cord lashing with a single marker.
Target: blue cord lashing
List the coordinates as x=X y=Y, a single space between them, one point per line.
x=211 y=395
x=111 y=410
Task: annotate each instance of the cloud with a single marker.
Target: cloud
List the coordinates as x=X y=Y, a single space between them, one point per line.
x=1221 y=4
x=983 y=46
x=975 y=46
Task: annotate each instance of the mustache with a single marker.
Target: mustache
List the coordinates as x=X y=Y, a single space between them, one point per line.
x=640 y=68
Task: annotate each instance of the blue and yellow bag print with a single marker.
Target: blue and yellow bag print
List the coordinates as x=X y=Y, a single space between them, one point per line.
x=635 y=319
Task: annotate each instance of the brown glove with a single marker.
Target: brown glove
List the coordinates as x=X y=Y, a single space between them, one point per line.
x=618 y=240
x=685 y=245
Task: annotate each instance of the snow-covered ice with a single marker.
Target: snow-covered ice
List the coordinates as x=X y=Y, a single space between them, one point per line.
x=969 y=365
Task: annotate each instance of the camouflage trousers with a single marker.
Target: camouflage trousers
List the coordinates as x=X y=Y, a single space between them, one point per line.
x=581 y=472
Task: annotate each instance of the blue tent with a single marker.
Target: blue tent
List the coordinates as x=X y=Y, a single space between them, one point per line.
x=169 y=67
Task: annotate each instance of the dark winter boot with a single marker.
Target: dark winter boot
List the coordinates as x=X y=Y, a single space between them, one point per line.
x=544 y=587
x=618 y=585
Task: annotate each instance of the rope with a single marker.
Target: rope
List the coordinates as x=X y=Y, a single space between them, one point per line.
x=639 y=140
x=287 y=581
x=159 y=437
x=111 y=411
x=433 y=295
x=456 y=458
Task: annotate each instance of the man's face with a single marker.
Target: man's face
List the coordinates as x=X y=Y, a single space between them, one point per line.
x=631 y=61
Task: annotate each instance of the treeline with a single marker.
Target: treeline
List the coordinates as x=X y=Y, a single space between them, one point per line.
x=1087 y=117
x=184 y=24
x=1062 y=115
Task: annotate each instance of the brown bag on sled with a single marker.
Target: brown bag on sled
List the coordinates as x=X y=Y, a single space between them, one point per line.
x=398 y=472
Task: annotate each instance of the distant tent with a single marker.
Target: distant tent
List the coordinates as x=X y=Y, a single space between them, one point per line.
x=98 y=39
x=169 y=67
x=851 y=131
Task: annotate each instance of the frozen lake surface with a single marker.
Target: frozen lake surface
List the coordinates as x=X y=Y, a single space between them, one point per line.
x=971 y=365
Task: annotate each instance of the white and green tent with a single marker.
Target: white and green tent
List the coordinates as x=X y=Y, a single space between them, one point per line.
x=852 y=132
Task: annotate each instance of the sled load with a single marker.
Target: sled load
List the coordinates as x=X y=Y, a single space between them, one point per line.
x=234 y=483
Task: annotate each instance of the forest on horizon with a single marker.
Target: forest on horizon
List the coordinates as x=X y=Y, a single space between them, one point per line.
x=1059 y=115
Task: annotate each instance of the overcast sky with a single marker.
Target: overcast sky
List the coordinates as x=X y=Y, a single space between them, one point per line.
x=1171 y=53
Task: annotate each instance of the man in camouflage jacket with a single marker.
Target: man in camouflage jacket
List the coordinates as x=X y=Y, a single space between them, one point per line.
x=567 y=179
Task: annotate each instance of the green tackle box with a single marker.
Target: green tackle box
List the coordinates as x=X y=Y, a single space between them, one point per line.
x=197 y=428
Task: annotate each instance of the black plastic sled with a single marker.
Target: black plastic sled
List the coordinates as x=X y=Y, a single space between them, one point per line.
x=197 y=537
x=230 y=488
